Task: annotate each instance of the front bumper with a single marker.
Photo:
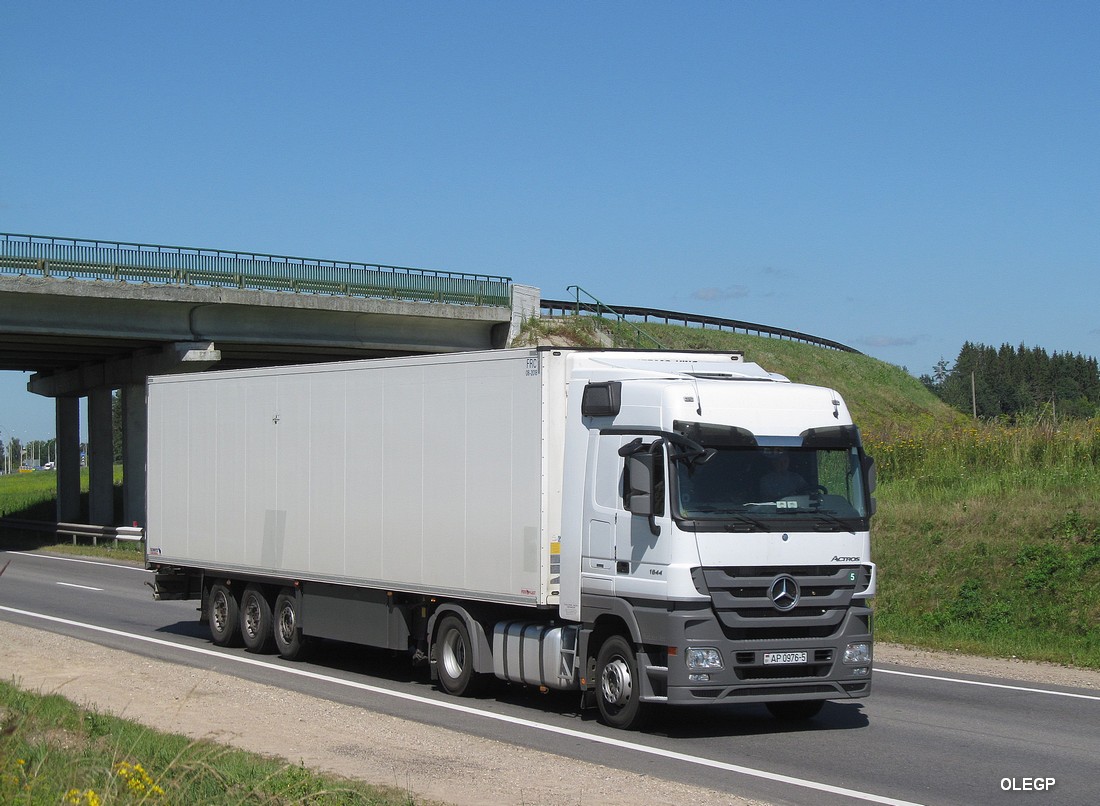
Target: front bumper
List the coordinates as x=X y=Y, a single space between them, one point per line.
x=744 y=676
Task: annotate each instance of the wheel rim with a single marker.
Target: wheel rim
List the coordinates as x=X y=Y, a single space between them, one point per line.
x=220 y=612
x=286 y=624
x=616 y=684
x=252 y=617
x=454 y=654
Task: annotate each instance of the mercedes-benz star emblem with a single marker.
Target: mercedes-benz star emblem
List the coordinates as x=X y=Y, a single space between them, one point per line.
x=784 y=592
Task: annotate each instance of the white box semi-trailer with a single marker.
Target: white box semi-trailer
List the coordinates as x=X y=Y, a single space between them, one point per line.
x=525 y=514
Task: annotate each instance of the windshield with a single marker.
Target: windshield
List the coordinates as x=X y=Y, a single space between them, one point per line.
x=759 y=486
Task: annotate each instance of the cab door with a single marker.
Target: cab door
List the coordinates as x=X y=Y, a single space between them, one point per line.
x=643 y=543
x=600 y=515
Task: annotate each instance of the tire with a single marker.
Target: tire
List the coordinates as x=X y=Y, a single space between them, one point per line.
x=257 y=621
x=618 y=686
x=795 y=710
x=455 y=659
x=223 y=616
x=289 y=641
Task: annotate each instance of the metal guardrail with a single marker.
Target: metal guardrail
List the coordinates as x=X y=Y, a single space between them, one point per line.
x=47 y=256
x=553 y=307
x=76 y=530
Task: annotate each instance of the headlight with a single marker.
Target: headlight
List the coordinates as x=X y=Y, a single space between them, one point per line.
x=704 y=657
x=858 y=653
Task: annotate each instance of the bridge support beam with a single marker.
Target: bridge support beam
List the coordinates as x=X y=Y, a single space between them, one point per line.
x=135 y=437
x=101 y=481
x=67 y=418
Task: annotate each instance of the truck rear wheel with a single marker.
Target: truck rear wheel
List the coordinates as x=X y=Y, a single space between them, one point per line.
x=257 y=622
x=288 y=636
x=618 y=693
x=455 y=659
x=223 y=615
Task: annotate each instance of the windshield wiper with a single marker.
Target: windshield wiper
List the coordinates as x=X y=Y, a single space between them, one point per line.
x=829 y=516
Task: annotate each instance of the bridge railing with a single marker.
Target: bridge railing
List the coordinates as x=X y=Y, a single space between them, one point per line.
x=46 y=256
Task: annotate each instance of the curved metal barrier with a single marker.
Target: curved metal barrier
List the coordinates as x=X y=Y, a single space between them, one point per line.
x=553 y=307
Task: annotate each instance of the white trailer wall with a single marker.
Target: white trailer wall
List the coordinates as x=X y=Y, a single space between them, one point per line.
x=420 y=474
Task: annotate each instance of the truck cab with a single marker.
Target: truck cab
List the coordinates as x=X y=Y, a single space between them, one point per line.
x=722 y=527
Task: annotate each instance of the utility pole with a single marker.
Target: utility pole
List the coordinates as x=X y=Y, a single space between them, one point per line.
x=973 y=397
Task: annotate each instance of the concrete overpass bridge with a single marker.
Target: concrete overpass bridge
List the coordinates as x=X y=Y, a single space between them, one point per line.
x=89 y=317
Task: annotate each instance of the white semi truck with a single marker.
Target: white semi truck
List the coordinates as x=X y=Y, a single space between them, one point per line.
x=639 y=526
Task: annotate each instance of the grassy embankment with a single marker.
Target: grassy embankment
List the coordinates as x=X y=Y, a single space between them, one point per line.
x=53 y=752
x=987 y=536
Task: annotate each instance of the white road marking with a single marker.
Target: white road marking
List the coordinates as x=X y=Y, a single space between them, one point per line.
x=75 y=560
x=83 y=587
x=465 y=709
x=989 y=685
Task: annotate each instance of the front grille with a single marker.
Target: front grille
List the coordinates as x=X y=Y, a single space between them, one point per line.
x=740 y=596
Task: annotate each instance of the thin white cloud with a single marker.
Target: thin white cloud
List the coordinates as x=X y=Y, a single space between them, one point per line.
x=714 y=294
x=890 y=341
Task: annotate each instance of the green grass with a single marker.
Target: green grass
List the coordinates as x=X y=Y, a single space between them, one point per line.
x=52 y=752
x=988 y=541
x=33 y=496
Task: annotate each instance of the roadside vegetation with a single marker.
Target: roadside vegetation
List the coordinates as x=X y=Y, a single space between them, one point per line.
x=52 y=752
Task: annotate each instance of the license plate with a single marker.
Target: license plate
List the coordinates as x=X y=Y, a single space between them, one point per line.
x=784 y=657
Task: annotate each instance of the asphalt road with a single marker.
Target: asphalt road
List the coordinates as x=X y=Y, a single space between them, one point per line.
x=922 y=737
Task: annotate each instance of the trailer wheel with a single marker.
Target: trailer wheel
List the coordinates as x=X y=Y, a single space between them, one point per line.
x=257 y=622
x=288 y=636
x=455 y=659
x=222 y=614
x=794 y=710
x=619 y=694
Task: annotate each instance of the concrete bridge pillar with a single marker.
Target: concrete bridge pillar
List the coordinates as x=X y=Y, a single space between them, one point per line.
x=101 y=501
x=135 y=436
x=67 y=417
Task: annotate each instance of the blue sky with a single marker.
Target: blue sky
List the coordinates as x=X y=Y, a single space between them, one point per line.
x=900 y=177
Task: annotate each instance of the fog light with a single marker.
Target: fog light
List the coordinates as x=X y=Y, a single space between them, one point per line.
x=859 y=652
x=703 y=657
x=862 y=671
x=699 y=678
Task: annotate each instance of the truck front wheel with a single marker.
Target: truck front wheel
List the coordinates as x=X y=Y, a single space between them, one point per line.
x=257 y=623
x=455 y=659
x=618 y=694
x=223 y=615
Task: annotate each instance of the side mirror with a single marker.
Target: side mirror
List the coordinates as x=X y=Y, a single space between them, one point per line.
x=870 y=473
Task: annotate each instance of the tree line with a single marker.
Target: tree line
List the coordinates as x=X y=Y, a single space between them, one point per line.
x=1010 y=382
